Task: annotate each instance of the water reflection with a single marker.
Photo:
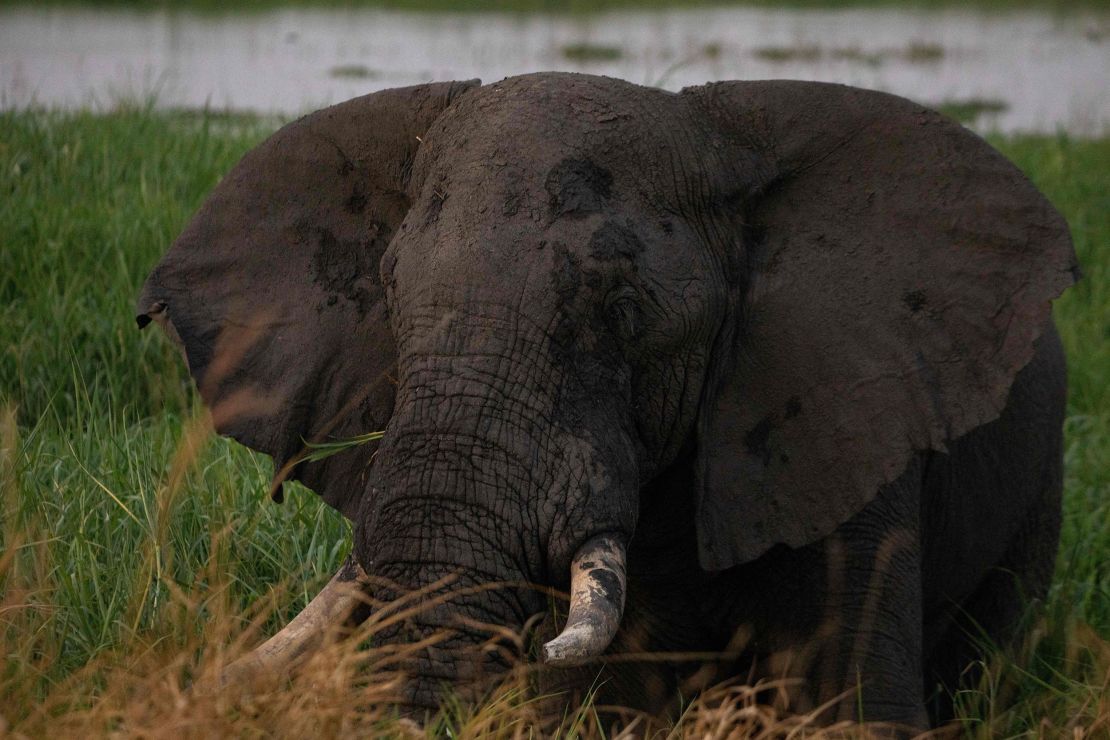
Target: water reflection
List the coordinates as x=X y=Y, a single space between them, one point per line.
x=1012 y=71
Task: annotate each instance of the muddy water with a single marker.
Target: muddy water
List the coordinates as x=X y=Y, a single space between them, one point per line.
x=1020 y=71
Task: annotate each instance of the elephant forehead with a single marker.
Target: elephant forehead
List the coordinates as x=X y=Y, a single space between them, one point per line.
x=575 y=139
x=558 y=106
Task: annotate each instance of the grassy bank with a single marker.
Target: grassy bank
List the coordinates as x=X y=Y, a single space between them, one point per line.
x=132 y=541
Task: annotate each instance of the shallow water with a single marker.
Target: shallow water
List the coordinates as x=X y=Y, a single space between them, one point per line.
x=1020 y=71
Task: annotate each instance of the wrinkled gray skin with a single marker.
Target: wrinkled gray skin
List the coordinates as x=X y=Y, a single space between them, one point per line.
x=790 y=342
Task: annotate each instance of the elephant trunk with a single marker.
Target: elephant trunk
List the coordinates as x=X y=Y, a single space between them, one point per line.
x=450 y=564
x=498 y=465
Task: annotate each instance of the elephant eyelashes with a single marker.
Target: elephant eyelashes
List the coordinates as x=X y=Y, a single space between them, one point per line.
x=623 y=313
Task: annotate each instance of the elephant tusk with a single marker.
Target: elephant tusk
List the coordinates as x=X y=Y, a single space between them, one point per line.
x=333 y=606
x=597 y=588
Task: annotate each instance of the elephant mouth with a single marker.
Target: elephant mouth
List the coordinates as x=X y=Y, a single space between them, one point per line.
x=598 y=587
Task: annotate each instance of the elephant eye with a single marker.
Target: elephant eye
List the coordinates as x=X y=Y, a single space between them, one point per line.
x=623 y=312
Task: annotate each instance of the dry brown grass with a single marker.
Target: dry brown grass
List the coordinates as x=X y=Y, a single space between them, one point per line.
x=161 y=692
x=167 y=684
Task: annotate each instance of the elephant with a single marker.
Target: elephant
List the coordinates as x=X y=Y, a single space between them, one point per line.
x=763 y=370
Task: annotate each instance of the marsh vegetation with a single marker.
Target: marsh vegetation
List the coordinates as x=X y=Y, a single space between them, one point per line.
x=139 y=553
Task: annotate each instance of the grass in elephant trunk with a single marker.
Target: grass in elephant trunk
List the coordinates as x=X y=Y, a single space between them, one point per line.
x=134 y=565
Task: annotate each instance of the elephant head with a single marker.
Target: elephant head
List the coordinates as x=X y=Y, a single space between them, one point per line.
x=552 y=290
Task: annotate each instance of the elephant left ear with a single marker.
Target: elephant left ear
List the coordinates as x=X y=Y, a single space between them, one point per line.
x=896 y=272
x=273 y=292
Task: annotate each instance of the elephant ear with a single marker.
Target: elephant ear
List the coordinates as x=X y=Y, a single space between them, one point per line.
x=273 y=293
x=896 y=272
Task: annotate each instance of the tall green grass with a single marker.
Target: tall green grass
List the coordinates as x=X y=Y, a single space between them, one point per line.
x=125 y=526
x=96 y=466
x=1063 y=671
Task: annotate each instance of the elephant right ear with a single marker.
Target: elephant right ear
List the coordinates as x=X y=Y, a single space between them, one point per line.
x=273 y=293
x=894 y=272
